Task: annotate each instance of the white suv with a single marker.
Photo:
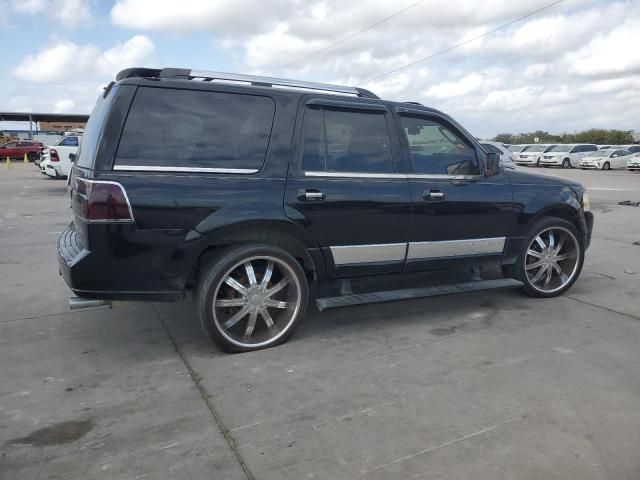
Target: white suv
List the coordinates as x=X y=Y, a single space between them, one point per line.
x=532 y=154
x=500 y=149
x=567 y=156
x=56 y=162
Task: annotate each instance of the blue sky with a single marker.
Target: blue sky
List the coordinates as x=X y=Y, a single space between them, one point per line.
x=572 y=66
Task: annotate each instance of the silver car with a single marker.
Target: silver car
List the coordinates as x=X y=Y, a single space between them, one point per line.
x=532 y=154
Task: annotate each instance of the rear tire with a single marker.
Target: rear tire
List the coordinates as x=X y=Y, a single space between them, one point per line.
x=551 y=258
x=33 y=156
x=233 y=300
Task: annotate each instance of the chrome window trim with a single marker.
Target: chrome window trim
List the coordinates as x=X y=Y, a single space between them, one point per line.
x=157 y=168
x=426 y=176
x=374 y=253
x=455 y=248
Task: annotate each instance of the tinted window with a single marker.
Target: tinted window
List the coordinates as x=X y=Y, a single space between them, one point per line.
x=345 y=141
x=69 y=142
x=437 y=149
x=491 y=148
x=634 y=149
x=186 y=128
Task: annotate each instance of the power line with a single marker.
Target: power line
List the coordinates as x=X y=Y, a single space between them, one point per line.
x=345 y=39
x=453 y=47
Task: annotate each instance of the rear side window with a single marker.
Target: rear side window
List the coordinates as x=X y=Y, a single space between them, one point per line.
x=69 y=142
x=435 y=148
x=346 y=141
x=196 y=129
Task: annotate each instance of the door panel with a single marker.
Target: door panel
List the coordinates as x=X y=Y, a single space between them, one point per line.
x=344 y=188
x=458 y=212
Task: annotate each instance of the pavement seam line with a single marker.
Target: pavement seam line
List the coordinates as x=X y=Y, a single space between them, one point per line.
x=606 y=309
x=207 y=399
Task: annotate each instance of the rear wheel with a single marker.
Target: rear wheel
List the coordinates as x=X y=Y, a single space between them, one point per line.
x=33 y=156
x=606 y=166
x=251 y=297
x=551 y=258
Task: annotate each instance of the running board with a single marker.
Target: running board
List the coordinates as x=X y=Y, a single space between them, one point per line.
x=392 y=295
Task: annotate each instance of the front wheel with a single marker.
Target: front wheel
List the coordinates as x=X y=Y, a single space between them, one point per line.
x=606 y=166
x=251 y=297
x=566 y=163
x=33 y=156
x=551 y=258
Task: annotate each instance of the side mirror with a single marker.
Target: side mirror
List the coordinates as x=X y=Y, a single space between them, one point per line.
x=492 y=164
x=72 y=157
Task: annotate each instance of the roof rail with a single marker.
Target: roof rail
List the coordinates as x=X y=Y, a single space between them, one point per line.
x=256 y=80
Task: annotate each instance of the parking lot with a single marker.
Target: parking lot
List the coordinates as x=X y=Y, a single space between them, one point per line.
x=486 y=385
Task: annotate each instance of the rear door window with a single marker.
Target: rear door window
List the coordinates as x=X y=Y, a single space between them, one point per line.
x=346 y=141
x=196 y=129
x=69 y=142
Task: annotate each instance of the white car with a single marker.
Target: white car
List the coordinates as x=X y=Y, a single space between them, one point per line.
x=633 y=163
x=500 y=149
x=606 y=159
x=567 y=156
x=55 y=159
x=532 y=154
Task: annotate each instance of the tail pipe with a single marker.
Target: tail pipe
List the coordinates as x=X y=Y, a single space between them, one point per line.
x=77 y=303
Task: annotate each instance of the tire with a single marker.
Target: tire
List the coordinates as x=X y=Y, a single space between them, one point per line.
x=572 y=249
x=566 y=163
x=268 y=320
x=606 y=166
x=32 y=156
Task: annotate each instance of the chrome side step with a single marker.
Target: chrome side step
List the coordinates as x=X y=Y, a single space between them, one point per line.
x=393 y=295
x=77 y=303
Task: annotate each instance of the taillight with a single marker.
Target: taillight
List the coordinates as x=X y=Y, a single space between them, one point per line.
x=103 y=201
x=53 y=155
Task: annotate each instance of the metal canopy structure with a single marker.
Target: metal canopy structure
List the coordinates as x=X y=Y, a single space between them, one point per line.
x=42 y=117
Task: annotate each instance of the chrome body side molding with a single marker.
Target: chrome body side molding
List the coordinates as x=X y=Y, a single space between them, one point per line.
x=455 y=248
x=355 y=254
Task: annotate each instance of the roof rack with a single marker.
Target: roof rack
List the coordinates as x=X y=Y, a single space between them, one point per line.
x=207 y=76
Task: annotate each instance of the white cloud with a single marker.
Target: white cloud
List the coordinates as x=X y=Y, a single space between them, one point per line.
x=66 y=60
x=72 y=13
x=613 y=53
x=65 y=105
x=464 y=86
x=29 y=6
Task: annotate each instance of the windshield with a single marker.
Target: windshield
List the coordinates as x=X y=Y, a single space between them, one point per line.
x=515 y=148
x=601 y=153
x=535 y=148
x=561 y=148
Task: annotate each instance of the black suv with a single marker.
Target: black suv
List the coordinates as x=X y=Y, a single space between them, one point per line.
x=250 y=189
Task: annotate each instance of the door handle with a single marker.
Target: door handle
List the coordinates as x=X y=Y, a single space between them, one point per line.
x=310 y=195
x=433 y=194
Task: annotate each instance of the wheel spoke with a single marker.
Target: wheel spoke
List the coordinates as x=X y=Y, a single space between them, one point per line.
x=232 y=302
x=237 y=286
x=275 y=303
x=559 y=247
x=251 y=324
x=533 y=265
x=279 y=286
x=236 y=318
x=538 y=276
x=533 y=253
x=548 y=277
x=267 y=276
x=559 y=258
x=540 y=242
x=552 y=239
x=264 y=313
x=560 y=273
x=251 y=274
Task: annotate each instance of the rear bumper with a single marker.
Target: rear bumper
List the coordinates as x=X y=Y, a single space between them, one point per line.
x=98 y=277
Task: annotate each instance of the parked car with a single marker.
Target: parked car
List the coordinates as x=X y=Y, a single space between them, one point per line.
x=532 y=154
x=17 y=150
x=634 y=148
x=566 y=156
x=633 y=163
x=605 y=147
x=248 y=194
x=57 y=160
x=605 y=159
x=499 y=149
x=518 y=148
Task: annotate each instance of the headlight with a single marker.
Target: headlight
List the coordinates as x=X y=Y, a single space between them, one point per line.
x=586 y=204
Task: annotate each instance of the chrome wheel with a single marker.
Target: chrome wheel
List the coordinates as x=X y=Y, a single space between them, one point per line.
x=552 y=259
x=256 y=302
